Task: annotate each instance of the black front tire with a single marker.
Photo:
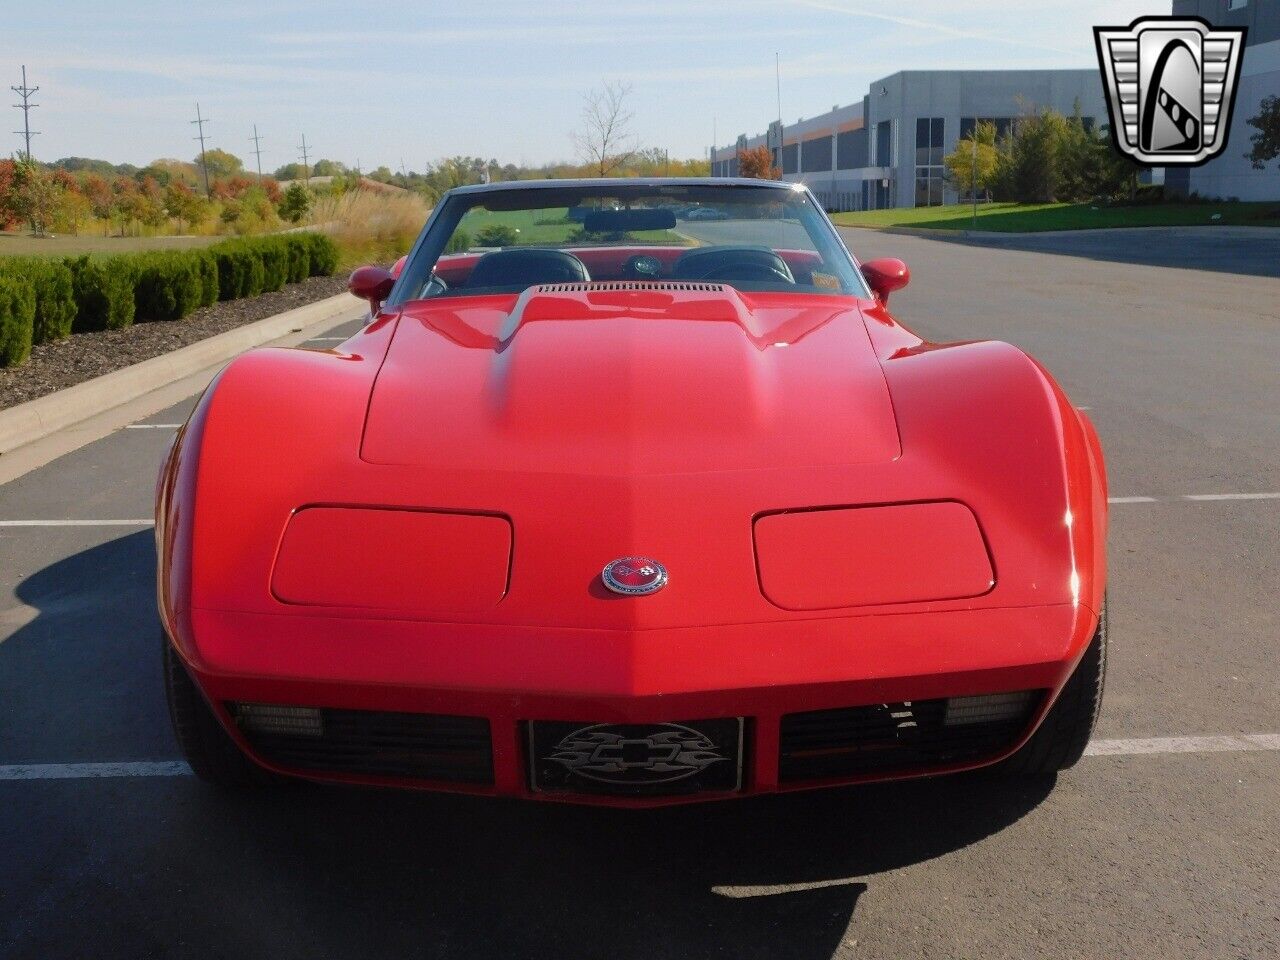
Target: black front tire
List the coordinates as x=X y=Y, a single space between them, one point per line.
x=1065 y=732
x=211 y=753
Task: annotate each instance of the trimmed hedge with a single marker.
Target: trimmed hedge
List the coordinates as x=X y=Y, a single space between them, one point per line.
x=51 y=286
x=103 y=291
x=169 y=286
x=17 y=319
x=107 y=293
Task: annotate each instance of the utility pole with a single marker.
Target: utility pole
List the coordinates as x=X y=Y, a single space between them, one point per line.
x=26 y=106
x=306 y=161
x=200 y=121
x=257 y=149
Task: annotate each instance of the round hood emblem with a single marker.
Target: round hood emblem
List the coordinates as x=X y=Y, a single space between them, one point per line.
x=634 y=576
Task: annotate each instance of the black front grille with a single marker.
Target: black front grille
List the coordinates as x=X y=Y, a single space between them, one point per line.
x=912 y=734
x=419 y=746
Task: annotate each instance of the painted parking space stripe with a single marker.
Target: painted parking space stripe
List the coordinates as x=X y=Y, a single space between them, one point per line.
x=1150 y=746
x=77 y=523
x=1232 y=496
x=1196 y=498
x=152 y=426
x=1218 y=744
x=89 y=771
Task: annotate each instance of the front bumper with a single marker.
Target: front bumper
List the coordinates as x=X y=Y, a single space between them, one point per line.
x=512 y=677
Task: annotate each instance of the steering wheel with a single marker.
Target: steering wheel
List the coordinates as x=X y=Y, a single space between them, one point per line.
x=751 y=272
x=750 y=264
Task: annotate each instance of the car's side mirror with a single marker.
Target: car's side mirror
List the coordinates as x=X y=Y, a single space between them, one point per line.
x=886 y=275
x=373 y=284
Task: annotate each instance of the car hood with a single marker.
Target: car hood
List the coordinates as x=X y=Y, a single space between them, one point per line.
x=630 y=380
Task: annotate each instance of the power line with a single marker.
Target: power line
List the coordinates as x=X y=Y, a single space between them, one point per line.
x=200 y=121
x=26 y=106
x=306 y=168
x=257 y=149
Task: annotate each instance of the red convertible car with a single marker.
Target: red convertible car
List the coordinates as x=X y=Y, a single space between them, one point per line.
x=614 y=506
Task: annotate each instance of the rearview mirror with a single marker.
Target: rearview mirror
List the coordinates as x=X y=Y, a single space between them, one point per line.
x=886 y=275
x=373 y=284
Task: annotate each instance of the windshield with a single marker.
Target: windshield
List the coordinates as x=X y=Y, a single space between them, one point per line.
x=751 y=238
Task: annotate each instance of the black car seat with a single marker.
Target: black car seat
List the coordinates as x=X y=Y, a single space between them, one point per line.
x=526 y=266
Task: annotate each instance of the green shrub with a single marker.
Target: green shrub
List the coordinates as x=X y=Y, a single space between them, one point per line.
x=256 y=277
x=17 y=319
x=103 y=290
x=460 y=242
x=168 y=286
x=233 y=269
x=275 y=262
x=498 y=235
x=51 y=283
x=208 y=265
x=299 y=252
x=324 y=253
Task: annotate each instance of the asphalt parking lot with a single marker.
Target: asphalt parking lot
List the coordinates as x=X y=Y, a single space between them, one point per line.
x=1163 y=843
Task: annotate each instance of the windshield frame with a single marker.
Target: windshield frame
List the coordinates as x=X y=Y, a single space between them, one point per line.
x=453 y=205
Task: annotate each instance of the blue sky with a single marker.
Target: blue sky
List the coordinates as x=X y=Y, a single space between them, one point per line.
x=418 y=81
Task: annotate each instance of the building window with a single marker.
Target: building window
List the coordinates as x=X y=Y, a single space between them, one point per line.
x=815 y=155
x=790 y=154
x=884 y=144
x=1003 y=125
x=929 y=168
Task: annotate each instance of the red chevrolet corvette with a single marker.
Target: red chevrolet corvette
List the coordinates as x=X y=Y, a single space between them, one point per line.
x=618 y=501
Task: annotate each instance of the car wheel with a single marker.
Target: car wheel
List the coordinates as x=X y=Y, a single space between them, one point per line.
x=1065 y=732
x=211 y=753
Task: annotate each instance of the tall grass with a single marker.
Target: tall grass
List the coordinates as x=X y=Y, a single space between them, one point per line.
x=371 y=227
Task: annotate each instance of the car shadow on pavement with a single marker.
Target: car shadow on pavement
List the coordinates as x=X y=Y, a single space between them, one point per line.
x=1218 y=249
x=170 y=866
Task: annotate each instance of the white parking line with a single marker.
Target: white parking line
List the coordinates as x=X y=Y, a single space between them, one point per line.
x=1196 y=497
x=1232 y=496
x=87 y=771
x=1219 y=744
x=1236 y=743
x=329 y=339
x=76 y=523
x=152 y=426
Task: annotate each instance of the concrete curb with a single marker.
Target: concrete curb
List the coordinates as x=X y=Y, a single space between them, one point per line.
x=36 y=419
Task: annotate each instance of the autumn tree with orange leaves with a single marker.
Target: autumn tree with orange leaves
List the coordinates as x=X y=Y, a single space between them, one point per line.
x=757 y=163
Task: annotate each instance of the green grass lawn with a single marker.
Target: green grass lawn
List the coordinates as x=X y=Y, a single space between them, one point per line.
x=1033 y=218
x=23 y=244
x=553 y=230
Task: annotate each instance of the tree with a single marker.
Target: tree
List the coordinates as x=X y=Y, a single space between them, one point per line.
x=604 y=141
x=296 y=202
x=974 y=163
x=102 y=201
x=291 y=171
x=1266 y=142
x=758 y=164
x=221 y=163
x=185 y=204
x=328 y=168
x=35 y=195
